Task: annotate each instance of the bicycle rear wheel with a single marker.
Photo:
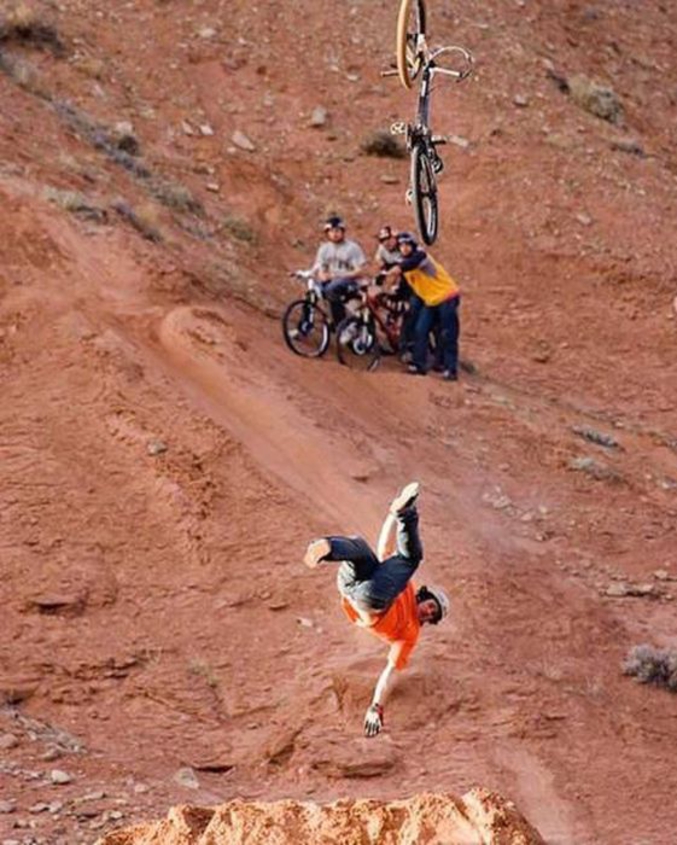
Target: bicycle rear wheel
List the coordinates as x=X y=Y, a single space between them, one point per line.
x=411 y=23
x=356 y=344
x=306 y=329
x=424 y=190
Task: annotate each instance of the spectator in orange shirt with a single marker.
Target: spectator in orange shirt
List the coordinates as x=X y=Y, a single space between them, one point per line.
x=378 y=594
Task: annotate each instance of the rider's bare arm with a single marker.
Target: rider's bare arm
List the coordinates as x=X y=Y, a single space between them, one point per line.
x=381 y=688
x=373 y=720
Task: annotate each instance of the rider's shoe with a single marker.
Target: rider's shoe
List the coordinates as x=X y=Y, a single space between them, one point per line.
x=405 y=499
x=316 y=552
x=438 y=165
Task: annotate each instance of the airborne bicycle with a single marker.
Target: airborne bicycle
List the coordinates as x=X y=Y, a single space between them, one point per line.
x=416 y=59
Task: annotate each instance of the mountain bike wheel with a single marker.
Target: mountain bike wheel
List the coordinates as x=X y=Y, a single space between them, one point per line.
x=306 y=329
x=424 y=193
x=410 y=25
x=356 y=344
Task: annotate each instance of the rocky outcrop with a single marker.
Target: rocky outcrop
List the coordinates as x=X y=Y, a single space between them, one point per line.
x=478 y=818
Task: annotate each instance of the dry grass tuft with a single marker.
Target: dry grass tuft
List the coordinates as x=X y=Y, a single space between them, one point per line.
x=239 y=228
x=75 y=202
x=144 y=219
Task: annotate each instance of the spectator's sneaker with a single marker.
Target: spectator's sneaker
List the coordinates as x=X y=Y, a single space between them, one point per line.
x=450 y=375
x=406 y=498
x=415 y=370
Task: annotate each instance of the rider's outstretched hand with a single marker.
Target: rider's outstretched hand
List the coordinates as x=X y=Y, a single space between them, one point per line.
x=373 y=721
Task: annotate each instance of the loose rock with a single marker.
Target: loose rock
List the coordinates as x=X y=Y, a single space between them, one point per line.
x=243 y=142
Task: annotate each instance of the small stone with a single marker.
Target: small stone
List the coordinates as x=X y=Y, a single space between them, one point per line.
x=520 y=100
x=319 y=117
x=123 y=127
x=619 y=590
x=206 y=130
x=207 y=32
x=243 y=142
x=389 y=179
x=8 y=741
x=55 y=807
x=186 y=128
x=584 y=219
x=40 y=807
x=213 y=187
x=156 y=447
x=661 y=575
x=186 y=777
x=7 y=807
x=304 y=622
x=628 y=145
x=58 y=776
x=141 y=788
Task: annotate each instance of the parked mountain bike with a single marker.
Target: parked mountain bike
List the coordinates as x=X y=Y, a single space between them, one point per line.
x=416 y=59
x=306 y=324
x=373 y=329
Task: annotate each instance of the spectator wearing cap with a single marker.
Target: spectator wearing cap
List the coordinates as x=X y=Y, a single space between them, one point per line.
x=440 y=297
x=387 y=256
x=388 y=253
x=339 y=263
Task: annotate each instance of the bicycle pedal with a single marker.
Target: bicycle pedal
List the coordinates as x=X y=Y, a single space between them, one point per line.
x=398 y=128
x=409 y=196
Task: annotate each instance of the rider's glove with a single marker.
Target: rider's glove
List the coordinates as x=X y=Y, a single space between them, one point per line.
x=373 y=721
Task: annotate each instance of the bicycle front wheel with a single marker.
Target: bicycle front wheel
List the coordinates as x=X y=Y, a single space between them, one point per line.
x=306 y=329
x=357 y=346
x=411 y=22
x=424 y=193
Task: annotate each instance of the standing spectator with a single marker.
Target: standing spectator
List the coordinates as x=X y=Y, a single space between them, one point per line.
x=387 y=256
x=338 y=265
x=388 y=252
x=440 y=296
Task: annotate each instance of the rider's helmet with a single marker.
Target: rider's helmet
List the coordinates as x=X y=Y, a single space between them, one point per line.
x=334 y=222
x=407 y=238
x=384 y=233
x=438 y=595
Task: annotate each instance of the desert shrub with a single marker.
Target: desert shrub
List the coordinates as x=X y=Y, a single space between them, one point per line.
x=239 y=228
x=175 y=196
x=76 y=203
x=652 y=666
x=143 y=219
x=23 y=23
x=383 y=145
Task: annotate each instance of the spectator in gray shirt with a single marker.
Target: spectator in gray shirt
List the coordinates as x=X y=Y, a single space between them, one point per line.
x=338 y=265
